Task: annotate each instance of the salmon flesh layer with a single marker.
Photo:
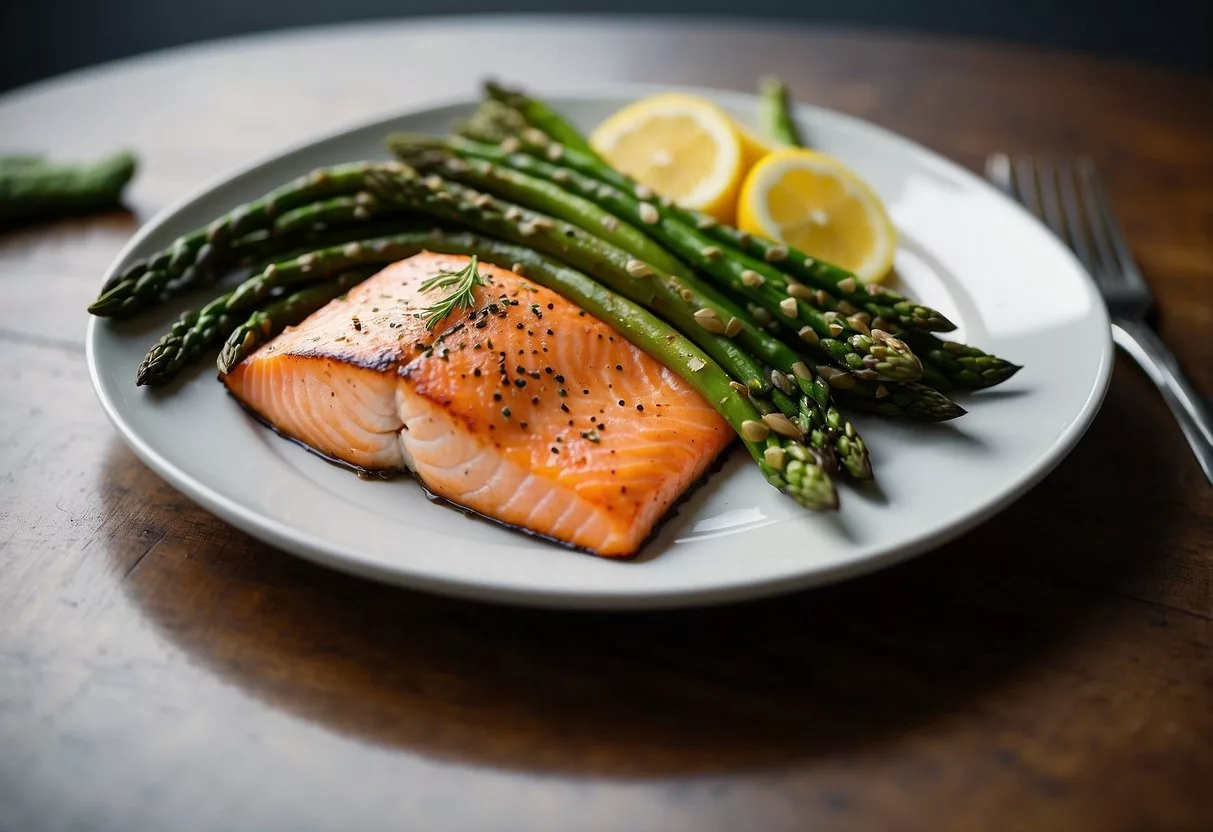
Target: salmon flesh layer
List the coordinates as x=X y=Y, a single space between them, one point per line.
x=524 y=409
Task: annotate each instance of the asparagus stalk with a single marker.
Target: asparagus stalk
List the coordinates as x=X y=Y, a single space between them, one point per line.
x=791 y=369
x=430 y=154
x=196 y=331
x=190 y=336
x=838 y=284
x=468 y=162
x=946 y=364
x=830 y=433
x=280 y=313
x=492 y=122
x=872 y=355
x=785 y=462
x=959 y=365
x=200 y=255
x=31 y=189
x=693 y=313
x=625 y=274
x=351 y=209
x=891 y=309
x=912 y=400
x=775 y=113
x=540 y=116
x=323 y=264
x=888 y=310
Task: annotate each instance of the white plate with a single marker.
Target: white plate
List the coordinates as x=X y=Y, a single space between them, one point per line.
x=966 y=250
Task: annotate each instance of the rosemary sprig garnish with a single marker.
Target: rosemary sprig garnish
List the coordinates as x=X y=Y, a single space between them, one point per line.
x=462 y=296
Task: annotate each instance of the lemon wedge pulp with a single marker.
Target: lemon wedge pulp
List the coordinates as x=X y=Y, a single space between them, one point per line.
x=683 y=147
x=814 y=202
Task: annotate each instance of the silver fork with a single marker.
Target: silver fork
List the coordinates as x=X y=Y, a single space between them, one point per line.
x=1069 y=198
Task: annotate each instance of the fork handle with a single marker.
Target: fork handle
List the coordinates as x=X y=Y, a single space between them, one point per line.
x=1185 y=401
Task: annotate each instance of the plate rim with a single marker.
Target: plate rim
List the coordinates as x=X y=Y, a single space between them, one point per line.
x=345 y=559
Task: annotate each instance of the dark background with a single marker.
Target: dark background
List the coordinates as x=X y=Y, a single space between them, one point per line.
x=46 y=37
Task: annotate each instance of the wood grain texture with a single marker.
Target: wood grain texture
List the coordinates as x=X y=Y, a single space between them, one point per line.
x=159 y=670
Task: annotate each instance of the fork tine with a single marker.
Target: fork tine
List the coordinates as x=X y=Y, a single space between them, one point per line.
x=1024 y=182
x=1105 y=255
x=1109 y=239
x=1069 y=202
x=998 y=171
x=1050 y=207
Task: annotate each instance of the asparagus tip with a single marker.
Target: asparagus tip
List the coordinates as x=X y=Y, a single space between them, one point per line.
x=772 y=85
x=807 y=482
x=150 y=374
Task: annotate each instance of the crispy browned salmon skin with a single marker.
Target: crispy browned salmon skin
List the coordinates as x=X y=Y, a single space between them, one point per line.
x=524 y=409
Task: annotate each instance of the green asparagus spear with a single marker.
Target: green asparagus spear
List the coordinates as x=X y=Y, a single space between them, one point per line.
x=912 y=400
x=888 y=310
x=351 y=209
x=492 y=122
x=200 y=255
x=625 y=274
x=838 y=284
x=541 y=117
x=960 y=365
x=190 y=336
x=430 y=197
x=786 y=463
x=775 y=113
x=945 y=364
x=542 y=195
x=711 y=326
x=872 y=355
x=715 y=323
x=31 y=189
x=278 y=314
x=430 y=153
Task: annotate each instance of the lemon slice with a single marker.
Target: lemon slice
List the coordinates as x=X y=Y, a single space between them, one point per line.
x=683 y=147
x=817 y=204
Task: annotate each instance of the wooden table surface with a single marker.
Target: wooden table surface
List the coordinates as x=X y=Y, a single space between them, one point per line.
x=161 y=671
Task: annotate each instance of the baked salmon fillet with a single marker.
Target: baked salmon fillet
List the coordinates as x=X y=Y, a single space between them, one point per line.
x=523 y=408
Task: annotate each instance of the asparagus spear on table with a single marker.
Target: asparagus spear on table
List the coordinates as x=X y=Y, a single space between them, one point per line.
x=33 y=189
